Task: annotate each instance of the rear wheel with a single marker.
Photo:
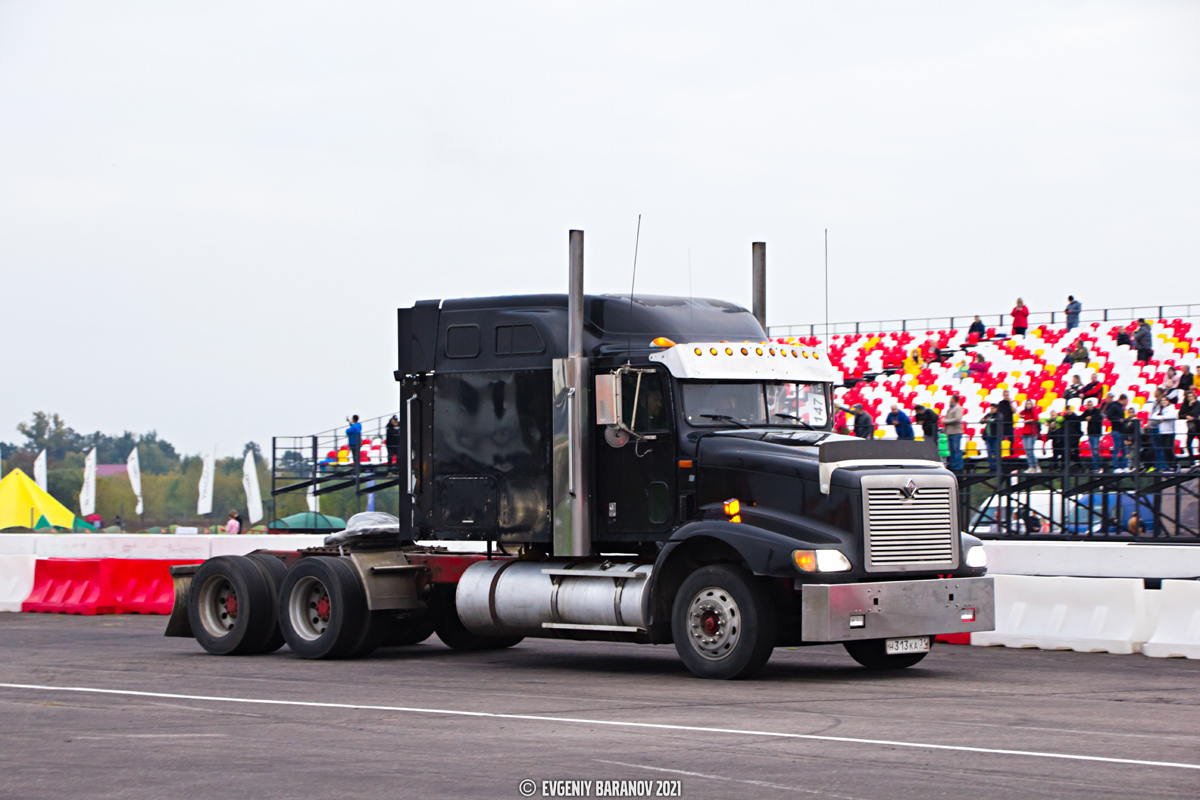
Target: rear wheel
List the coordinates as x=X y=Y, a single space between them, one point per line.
x=274 y=571
x=872 y=654
x=723 y=623
x=230 y=607
x=410 y=630
x=323 y=609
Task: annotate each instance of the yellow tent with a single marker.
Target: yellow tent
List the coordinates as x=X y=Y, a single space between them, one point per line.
x=23 y=504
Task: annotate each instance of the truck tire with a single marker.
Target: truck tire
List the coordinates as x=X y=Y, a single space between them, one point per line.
x=455 y=635
x=274 y=571
x=871 y=654
x=723 y=623
x=230 y=606
x=323 y=609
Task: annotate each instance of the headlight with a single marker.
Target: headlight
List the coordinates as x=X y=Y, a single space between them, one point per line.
x=976 y=557
x=820 y=561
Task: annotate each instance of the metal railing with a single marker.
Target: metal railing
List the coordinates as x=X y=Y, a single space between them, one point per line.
x=318 y=461
x=999 y=321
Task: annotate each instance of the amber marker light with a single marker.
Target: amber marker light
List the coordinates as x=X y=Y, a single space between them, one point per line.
x=758 y=351
x=733 y=510
x=663 y=341
x=712 y=350
x=728 y=351
x=685 y=464
x=806 y=560
x=745 y=352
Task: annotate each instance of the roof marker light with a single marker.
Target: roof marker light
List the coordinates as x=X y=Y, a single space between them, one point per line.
x=758 y=350
x=712 y=350
x=699 y=352
x=728 y=351
x=745 y=352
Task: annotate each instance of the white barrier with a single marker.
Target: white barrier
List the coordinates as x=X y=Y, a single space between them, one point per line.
x=1111 y=615
x=1178 y=632
x=1093 y=559
x=16 y=580
x=18 y=544
x=240 y=545
x=122 y=545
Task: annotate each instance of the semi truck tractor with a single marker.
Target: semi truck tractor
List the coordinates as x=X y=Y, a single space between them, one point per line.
x=643 y=469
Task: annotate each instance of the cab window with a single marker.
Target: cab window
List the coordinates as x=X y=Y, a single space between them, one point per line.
x=644 y=407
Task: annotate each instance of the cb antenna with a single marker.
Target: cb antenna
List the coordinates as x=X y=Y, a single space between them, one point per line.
x=827 y=291
x=629 y=339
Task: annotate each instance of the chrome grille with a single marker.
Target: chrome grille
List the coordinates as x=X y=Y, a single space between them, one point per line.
x=910 y=533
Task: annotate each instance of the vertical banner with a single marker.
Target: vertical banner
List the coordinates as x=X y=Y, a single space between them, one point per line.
x=39 y=470
x=204 y=504
x=254 y=507
x=133 y=468
x=314 y=500
x=87 y=495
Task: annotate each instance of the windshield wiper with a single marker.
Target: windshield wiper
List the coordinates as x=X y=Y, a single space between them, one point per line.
x=797 y=419
x=726 y=418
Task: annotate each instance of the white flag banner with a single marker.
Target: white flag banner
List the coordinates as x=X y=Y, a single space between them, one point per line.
x=133 y=468
x=204 y=504
x=87 y=495
x=250 y=483
x=314 y=500
x=39 y=470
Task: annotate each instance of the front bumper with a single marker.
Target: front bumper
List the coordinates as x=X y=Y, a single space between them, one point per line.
x=848 y=611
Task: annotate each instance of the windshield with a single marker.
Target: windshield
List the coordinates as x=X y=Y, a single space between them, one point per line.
x=721 y=404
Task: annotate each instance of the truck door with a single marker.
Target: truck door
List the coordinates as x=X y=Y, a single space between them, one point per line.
x=635 y=473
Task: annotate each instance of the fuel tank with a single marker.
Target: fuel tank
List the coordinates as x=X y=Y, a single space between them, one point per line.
x=556 y=599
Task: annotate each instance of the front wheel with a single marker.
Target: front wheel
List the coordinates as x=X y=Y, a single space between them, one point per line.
x=723 y=623
x=872 y=654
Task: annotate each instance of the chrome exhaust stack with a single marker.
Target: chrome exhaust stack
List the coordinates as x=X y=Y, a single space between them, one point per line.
x=572 y=531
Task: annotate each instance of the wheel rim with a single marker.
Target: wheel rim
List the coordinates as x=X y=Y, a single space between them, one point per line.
x=714 y=623
x=309 y=608
x=218 y=606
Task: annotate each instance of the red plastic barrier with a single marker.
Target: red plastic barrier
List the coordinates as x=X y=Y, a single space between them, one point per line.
x=72 y=586
x=143 y=585
x=954 y=638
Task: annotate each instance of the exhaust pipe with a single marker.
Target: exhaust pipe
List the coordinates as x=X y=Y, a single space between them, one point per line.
x=758 y=259
x=575 y=298
x=572 y=536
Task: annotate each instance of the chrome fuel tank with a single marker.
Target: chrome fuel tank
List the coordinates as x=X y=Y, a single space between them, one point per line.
x=575 y=600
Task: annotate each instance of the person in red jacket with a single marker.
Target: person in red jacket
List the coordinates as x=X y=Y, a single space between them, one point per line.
x=1029 y=434
x=1020 y=315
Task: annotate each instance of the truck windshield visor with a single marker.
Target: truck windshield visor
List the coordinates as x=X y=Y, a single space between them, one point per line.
x=721 y=404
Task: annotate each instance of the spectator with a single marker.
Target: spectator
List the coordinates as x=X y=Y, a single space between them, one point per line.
x=928 y=419
x=1114 y=412
x=1135 y=525
x=953 y=421
x=1072 y=422
x=1030 y=428
x=1123 y=338
x=1078 y=355
x=1186 y=380
x=1143 y=340
x=991 y=437
x=1094 y=418
x=977 y=330
x=1072 y=310
x=978 y=366
x=1006 y=409
x=1190 y=413
x=234 y=526
x=1164 y=415
x=900 y=421
x=864 y=426
x=1170 y=385
x=1094 y=390
x=1075 y=390
x=391 y=440
x=354 y=434
x=1020 y=315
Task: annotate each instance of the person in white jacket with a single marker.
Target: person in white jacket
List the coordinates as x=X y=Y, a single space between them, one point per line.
x=1165 y=414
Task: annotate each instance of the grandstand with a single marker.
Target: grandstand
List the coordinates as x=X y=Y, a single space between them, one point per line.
x=880 y=366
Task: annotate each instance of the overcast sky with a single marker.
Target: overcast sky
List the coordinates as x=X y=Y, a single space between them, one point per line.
x=209 y=212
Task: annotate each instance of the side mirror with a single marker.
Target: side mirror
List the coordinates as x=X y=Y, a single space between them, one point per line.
x=608 y=399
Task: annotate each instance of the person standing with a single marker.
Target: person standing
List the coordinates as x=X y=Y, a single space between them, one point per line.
x=1072 y=311
x=354 y=435
x=1143 y=340
x=1093 y=417
x=864 y=426
x=1189 y=412
x=1030 y=428
x=391 y=440
x=900 y=421
x=1114 y=412
x=1163 y=416
x=991 y=437
x=1006 y=409
x=1020 y=317
x=234 y=525
x=928 y=420
x=953 y=422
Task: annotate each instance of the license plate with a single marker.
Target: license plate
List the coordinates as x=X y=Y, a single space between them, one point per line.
x=912 y=644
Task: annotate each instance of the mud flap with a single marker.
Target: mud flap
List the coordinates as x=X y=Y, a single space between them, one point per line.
x=178 y=624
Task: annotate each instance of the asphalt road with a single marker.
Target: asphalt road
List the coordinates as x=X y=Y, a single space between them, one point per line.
x=813 y=724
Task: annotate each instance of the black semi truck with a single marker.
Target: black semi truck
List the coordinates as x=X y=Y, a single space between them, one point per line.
x=645 y=469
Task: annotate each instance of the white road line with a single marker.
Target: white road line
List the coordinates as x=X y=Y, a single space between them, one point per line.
x=763 y=784
x=613 y=723
x=109 y=736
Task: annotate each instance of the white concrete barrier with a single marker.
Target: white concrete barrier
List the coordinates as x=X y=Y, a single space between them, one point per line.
x=16 y=580
x=122 y=545
x=240 y=545
x=1093 y=559
x=1178 y=632
x=1110 y=615
x=18 y=544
